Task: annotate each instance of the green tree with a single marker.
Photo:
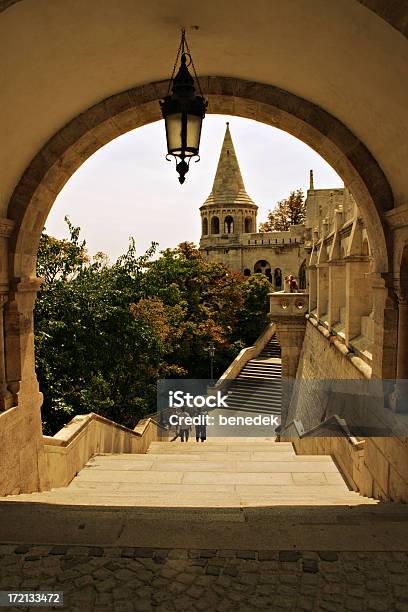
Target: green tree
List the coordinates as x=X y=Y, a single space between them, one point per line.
x=254 y=313
x=287 y=212
x=105 y=333
x=92 y=354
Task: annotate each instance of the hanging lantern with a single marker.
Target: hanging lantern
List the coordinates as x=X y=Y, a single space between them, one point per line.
x=183 y=112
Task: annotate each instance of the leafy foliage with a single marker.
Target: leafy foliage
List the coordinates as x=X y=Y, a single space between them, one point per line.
x=287 y=212
x=105 y=333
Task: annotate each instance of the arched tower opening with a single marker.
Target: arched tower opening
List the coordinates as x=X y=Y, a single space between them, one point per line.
x=204 y=226
x=215 y=225
x=229 y=225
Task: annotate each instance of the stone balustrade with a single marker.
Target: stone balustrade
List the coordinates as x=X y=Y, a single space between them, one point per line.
x=85 y=435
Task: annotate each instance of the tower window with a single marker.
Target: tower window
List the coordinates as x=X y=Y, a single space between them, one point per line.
x=205 y=226
x=215 y=225
x=248 y=225
x=229 y=225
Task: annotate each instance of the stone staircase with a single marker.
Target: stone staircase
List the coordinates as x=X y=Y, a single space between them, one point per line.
x=258 y=386
x=220 y=473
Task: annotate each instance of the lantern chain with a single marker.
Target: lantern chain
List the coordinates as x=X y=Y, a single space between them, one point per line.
x=192 y=63
x=182 y=46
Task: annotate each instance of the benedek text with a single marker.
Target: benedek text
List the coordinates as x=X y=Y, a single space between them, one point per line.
x=260 y=419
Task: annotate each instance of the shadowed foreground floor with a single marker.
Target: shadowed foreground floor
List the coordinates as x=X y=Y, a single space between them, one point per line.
x=147 y=579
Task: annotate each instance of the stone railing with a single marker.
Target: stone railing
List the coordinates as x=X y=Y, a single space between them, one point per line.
x=68 y=451
x=374 y=467
x=333 y=438
x=283 y=304
x=242 y=359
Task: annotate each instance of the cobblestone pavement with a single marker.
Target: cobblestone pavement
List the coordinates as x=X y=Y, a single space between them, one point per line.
x=145 y=579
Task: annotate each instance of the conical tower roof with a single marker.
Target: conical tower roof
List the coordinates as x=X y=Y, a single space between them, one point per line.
x=228 y=188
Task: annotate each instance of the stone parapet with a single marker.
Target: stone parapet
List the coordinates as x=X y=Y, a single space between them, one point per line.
x=88 y=434
x=287 y=306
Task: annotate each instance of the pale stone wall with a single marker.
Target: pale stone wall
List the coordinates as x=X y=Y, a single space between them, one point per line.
x=22 y=458
x=319 y=360
x=239 y=259
x=31 y=462
x=340 y=268
x=377 y=467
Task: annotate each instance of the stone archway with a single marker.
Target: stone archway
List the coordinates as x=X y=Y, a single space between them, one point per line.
x=63 y=154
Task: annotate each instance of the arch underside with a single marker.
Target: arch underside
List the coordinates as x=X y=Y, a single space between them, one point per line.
x=395 y=13
x=65 y=152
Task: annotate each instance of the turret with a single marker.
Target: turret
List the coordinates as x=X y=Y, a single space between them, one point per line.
x=228 y=209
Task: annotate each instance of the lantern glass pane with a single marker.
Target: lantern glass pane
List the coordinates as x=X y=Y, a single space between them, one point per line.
x=173 y=133
x=193 y=133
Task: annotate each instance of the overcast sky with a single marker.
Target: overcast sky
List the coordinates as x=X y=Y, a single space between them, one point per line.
x=127 y=188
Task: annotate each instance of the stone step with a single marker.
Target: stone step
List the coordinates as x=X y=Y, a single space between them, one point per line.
x=242 y=388
x=261 y=391
x=169 y=464
x=254 y=375
x=230 y=456
x=256 y=409
x=263 y=366
x=241 y=403
x=235 y=455
x=270 y=375
x=259 y=386
x=269 y=371
x=212 y=445
x=202 y=500
x=268 y=365
x=243 y=391
x=261 y=373
x=241 y=396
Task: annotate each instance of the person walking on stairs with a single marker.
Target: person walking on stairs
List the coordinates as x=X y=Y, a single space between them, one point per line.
x=176 y=428
x=184 y=427
x=201 y=427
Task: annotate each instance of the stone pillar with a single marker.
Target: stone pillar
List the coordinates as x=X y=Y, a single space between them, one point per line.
x=322 y=289
x=385 y=330
x=22 y=446
x=6 y=397
x=19 y=338
x=312 y=272
x=287 y=311
x=6 y=229
x=399 y=400
x=337 y=291
x=402 y=354
x=290 y=333
x=358 y=294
